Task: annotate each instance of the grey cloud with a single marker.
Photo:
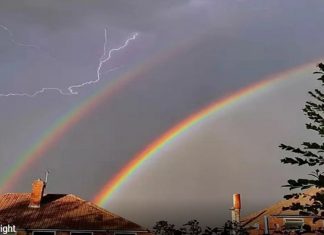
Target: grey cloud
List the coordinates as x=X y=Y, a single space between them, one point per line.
x=234 y=43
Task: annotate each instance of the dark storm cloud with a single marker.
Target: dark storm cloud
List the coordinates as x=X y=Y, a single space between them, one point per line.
x=234 y=44
x=60 y=15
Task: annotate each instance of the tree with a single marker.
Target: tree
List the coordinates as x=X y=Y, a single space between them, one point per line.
x=162 y=227
x=193 y=228
x=311 y=154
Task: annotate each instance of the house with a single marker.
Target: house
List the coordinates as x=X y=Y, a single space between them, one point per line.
x=274 y=219
x=60 y=214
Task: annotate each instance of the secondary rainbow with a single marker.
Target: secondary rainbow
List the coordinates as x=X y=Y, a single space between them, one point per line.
x=62 y=125
x=182 y=127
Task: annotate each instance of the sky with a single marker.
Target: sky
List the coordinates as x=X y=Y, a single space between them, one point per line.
x=191 y=53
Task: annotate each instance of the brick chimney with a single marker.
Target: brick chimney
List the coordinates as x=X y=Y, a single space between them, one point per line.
x=36 y=196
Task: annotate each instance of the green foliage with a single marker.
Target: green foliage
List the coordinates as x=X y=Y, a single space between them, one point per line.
x=311 y=154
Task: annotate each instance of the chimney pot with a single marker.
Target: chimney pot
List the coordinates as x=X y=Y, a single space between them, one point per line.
x=237 y=201
x=36 y=196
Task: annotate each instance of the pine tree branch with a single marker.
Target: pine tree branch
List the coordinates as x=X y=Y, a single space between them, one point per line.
x=318 y=129
x=313 y=146
x=309 y=154
x=319 y=98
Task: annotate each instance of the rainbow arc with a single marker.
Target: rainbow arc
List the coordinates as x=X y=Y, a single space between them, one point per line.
x=185 y=125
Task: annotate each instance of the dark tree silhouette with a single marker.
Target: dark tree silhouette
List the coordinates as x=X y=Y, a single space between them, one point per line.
x=311 y=154
x=211 y=231
x=163 y=227
x=193 y=228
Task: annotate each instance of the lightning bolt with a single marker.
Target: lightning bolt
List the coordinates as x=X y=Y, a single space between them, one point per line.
x=105 y=57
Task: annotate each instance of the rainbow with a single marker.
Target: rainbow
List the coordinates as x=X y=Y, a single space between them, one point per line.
x=63 y=124
x=182 y=127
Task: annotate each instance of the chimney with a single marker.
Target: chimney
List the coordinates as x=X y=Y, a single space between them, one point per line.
x=36 y=196
x=236 y=209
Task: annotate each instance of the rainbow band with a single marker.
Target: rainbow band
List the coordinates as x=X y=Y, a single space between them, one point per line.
x=181 y=128
x=63 y=124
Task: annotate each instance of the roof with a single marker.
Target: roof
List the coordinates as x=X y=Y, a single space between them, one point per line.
x=276 y=209
x=60 y=211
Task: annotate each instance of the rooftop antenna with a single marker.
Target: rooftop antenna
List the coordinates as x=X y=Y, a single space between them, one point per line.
x=46 y=176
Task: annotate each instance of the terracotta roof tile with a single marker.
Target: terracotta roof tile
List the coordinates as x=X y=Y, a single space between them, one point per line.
x=276 y=209
x=60 y=211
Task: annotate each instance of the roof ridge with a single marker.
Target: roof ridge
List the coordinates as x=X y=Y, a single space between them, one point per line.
x=30 y=193
x=255 y=215
x=114 y=215
x=80 y=206
x=2 y=194
x=95 y=206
